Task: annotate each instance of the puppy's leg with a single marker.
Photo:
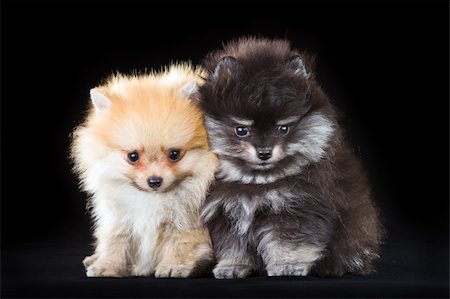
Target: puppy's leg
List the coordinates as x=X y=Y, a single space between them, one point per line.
x=233 y=261
x=355 y=243
x=183 y=252
x=111 y=254
x=287 y=257
x=232 y=251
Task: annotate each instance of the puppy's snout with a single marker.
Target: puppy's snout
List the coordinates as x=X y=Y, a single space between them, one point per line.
x=155 y=181
x=264 y=153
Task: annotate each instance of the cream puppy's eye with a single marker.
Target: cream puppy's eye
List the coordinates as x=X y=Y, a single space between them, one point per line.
x=242 y=131
x=174 y=154
x=133 y=157
x=283 y=129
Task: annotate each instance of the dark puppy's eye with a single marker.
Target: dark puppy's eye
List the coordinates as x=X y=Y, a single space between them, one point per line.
x=174 y=154
x=283 y=129
x=133 y=157
x=241 y=131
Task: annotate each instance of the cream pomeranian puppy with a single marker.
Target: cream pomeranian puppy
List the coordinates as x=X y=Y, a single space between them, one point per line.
x=142 y=153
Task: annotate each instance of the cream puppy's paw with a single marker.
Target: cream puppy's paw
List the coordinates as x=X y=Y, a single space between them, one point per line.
x=98 y=269
x=299 y=269
x=168 y=270
x=89 y=260
x=230 y=272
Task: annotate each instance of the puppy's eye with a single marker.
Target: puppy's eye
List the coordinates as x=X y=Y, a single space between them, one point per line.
x=242 y=131
x=133 y=157
x=174 y=154
x=283 y=129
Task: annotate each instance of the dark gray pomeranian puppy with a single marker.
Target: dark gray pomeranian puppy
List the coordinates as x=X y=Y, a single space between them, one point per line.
x=290 y=197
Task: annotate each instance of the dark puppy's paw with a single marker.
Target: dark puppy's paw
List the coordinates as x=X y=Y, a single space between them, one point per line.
x=231 y=271
x=299 y=269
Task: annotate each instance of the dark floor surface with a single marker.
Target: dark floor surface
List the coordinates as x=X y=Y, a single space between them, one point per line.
x=411 y=266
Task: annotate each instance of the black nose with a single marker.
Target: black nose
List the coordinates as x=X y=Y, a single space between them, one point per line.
x=154 y=181
x=264 y=154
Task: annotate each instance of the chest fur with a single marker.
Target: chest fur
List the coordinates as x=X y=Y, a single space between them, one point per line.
x=244 y=208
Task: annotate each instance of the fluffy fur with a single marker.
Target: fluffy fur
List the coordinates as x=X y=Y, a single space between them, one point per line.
x=143 y=230
x=290 y=196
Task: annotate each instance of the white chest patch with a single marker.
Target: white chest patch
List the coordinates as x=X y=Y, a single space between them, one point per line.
x=140 y=215
x=242 y=211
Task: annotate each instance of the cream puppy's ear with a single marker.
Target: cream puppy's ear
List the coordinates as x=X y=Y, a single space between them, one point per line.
x=190 y=90
x=100 y=101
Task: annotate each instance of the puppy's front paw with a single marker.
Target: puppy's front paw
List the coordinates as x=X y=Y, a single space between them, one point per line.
x=288 y=270
x=167 y=270
x=97 y=269
x=89 y=260
x=230 y=272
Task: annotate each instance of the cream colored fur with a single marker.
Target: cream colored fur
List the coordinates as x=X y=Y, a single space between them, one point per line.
x=140 y=231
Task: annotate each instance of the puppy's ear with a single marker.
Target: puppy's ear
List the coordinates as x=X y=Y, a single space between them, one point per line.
x=298 y=66
x=227 y=67
x=190 y=91
x=100 y=101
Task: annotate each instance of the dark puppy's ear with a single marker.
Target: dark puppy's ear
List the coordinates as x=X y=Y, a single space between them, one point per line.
x=227 y=67
x=298 y=66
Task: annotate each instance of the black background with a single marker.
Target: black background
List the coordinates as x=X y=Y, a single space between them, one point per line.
x=385 y=65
